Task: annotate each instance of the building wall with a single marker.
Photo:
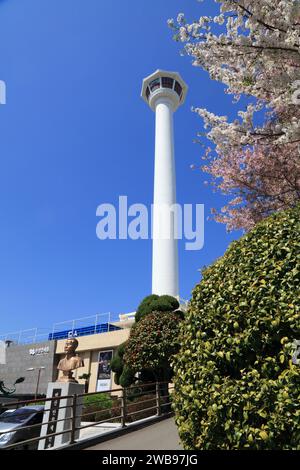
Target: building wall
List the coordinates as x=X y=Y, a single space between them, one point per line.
x=98 y=341
x=89 y=348
x=19 y=359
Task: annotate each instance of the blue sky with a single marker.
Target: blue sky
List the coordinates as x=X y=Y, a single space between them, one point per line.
x=74 y=134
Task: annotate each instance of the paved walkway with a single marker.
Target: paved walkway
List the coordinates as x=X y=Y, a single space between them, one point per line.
x=159 y=436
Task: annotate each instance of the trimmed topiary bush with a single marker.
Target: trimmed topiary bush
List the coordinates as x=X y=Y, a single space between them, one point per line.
x=152 y=343
x=123 y=374
x=145 y=306
x=156 y=303
x=172 y=301
x=127 y=377
x=117 y=365
x=236 y=386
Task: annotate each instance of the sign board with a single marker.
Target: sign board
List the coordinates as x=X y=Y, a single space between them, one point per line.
x=39 y=351
x=72 y=334
x=103 y=385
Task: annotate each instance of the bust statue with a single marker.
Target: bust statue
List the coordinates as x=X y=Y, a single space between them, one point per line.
x=70 y=362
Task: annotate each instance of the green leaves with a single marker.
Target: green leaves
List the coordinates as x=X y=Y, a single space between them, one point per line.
x=156 y=303
x=152 y=343
x=236 y=386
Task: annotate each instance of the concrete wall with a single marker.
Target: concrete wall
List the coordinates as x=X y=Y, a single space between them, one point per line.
x=98 y=341
x=19 y=359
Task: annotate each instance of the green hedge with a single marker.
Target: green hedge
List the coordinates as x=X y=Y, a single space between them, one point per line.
x=156 y=303
x=236 y=386
x=153 y=341
x=101 y=400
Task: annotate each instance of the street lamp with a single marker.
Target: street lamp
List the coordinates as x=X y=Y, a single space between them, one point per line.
x=38 y=378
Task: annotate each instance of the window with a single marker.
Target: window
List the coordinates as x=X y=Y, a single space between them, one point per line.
x=37 y=419
x=147 y=93
x=167 y=82
x=178 y=89
x=17 y=416
x=155 y=84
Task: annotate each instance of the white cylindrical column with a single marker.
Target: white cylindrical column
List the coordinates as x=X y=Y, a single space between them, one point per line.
x=165 y=250
x=164 y=92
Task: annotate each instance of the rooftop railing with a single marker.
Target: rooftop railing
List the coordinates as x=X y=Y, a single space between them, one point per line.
x=94 y=324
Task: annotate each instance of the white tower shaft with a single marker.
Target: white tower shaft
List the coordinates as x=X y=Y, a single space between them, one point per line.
x=164 y=92
x=165 y=250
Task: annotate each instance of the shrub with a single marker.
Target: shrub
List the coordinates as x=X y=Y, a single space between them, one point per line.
x=155 y=303
x=101 y=400
x=153 y=341
x=127 y=377
x=170 y=300
x=123 y=375
x=236 y=386
x=97 y=407
x=116 y=363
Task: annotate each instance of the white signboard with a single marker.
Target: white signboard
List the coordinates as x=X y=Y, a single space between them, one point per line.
x=39 y=351
x=103 y=385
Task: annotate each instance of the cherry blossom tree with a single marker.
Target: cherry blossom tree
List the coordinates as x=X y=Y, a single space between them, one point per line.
x=253 y=48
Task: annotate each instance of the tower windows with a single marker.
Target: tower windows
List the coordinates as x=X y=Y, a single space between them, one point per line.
x=164 y=82
x=178 y=89
x=155 y=84
x=167 y=82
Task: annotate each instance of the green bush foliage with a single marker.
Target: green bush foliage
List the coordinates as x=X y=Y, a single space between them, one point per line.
x=101 y=400
x=100 y=407
x=123 y=375
x=117 y=364
x=170 y=300
x=127 y=377
x=153 y=341
x=155 y=303
x=236 y=386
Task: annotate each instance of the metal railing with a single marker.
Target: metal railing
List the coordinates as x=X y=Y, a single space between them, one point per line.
x=93 y=324
x=126 y=409
x=29 y=336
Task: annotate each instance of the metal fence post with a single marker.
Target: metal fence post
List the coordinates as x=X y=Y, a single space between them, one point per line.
x=73 y=421
x=158 y=407
x=123 y=405
x=96 y=322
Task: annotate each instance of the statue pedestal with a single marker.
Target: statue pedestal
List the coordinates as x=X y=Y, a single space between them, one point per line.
x=56 y=410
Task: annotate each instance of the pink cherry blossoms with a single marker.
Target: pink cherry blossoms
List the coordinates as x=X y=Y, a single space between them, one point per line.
x=253 y=48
